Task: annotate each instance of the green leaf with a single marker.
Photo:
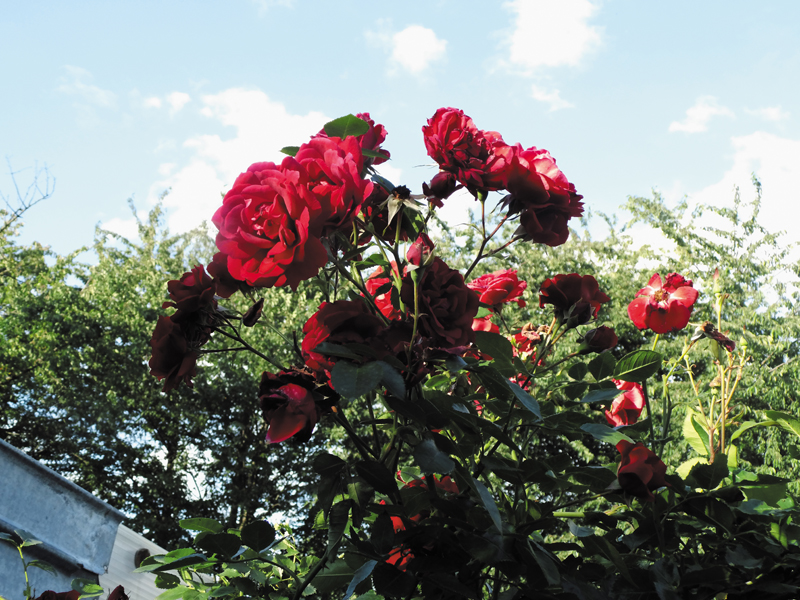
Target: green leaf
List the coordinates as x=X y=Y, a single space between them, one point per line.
x=333 y=577
x=223 y=590
x=44 y=566
x=360 y=575
x=525 y=399
x=638 y=366
x=174 y=594
x=383 y=182
x=578 y=371
x=290 y=150
x=489 y=504
x=180 y=563
x=602 y=395
x=347 y=125
x=432 y=460
x=494 y=382
x=201 y=524
x=685 y=467
x=372 y=154
x=604 y=433
x=327 y=465
x=337 y=522
x=167 y=581
x=221 y=544
x=788 y=422
x=707 y=476
x=258 y=535
x=495 y=345
x=602 y=366
x=353 y=381
x=392 y=582
x=27 y=538
x=694 y=434
x=378 y=476
x=392 y=380
x=329 y=349
x=749 y=425
x=86 y=587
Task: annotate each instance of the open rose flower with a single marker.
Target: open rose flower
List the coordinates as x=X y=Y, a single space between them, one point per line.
x=478 y=159
x=447 y=306
x=663 y=306
x=292 y=404
x=499 y=288
x=640 y=470
x=576 y=298
x=626 y=409
x=340 y=322
x=371 y=140
x=542 y=195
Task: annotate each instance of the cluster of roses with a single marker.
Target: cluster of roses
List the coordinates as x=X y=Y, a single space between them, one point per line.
x=482 y=162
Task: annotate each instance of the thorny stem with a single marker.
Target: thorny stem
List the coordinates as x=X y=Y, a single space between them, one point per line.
x=365 y=451
x=649 y=413
x=249 y=347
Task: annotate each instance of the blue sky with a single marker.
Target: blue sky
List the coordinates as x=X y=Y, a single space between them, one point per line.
x=127 y=100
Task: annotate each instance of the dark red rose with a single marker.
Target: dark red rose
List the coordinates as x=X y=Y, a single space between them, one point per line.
x=174 y=355
x=498 y=288
x=663 y=307
x=340 y=322
x=640 y=470
x=447 y=306
x=420 y=253
x=227 y=286
x=478 y=159
x=292 y=404
x=575 y=297
x=383 y=301
x=193 y=292
x=118 y=594
x=542 y=195
x=270 y=228
x=626 y=409
x=51 y=595
x=253 y=314
x=598 y=340
x=441 y=187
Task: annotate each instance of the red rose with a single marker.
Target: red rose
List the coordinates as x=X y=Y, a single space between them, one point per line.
x=540 y=192
x=270 y=228
x=447 y=306
x=485 y=324
x=527 y=340
x=598 y=340
x=498 y=288
x=371 y=140
x=174 y=355
x=478 y=159
x=441 y=187
x=626 y=409
x=383 y=301
x=292 y=404
x=420 y=253
x=340 y=322
x=253 y=314
x=118 y=594
x=574 y=297
x=193 y=292
x=51 y=595
x=640 y=470
x=663 y=307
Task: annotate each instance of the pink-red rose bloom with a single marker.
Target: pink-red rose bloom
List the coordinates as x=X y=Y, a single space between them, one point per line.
x=292 y=404
x=573 y=296
x=626 y=409
x=640 y=470
x=485 y=324
x=340 y=322
x=371 y=140
x=383 y=301
x=663 y=306
x=272 y=221
x=498 y=288
x=478 y=159
x=447 y=306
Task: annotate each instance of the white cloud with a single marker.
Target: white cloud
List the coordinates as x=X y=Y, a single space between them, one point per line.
x=416 y=47
x=551 y=97
x=698 y=116
x=177 y=100
x=262 y=127
x=776 y=163
x=76 y=83
x=152 y=102
x=552 y=34
x=127 y=228
x=769 y=113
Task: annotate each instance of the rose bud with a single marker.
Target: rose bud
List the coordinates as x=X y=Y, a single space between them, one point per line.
x=253 y=313
x=440 y=188
x=598 y=340
x=420 y=254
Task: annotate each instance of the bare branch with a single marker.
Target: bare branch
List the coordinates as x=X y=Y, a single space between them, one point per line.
x=41 y=187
